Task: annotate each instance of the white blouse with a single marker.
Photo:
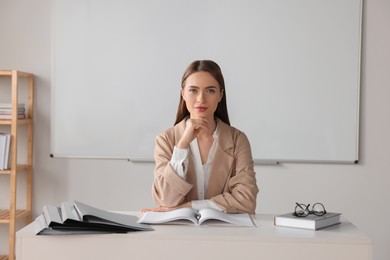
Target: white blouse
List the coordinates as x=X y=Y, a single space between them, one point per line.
x=179 y=163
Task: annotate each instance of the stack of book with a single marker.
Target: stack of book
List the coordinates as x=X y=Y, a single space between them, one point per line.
x=80 y=218
x=5 y=144
x=6 y=111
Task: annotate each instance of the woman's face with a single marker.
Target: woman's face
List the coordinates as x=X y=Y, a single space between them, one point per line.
x=202 y=94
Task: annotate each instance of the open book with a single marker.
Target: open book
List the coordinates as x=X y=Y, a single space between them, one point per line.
x=80 y=218
x=196 y=217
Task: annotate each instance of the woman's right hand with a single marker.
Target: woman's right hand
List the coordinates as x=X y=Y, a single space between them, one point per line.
x=164 y=209
x=193 y=128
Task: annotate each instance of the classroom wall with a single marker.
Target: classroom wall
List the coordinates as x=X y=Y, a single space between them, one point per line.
x=361 y=192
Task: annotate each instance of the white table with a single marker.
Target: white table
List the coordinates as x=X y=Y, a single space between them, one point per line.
x=343 y=241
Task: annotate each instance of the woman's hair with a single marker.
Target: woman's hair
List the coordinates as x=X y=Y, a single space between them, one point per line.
x=215 y=71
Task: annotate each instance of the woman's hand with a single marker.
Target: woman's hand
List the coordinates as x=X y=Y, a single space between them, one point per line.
x=164 y=209
x=193 y=128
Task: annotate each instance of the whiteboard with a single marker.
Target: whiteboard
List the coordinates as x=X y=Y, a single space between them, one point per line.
x=291 y=68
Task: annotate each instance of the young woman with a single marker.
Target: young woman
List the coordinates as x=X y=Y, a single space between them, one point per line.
x=202 y=161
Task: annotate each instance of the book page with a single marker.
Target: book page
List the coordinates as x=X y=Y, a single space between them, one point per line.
x=69 y=212
x=40 y=224
x=98 y=216
x=175 y=216
x=242 y=219
x=52 y=214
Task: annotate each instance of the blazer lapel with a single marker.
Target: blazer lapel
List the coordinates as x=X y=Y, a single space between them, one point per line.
x=191 y=177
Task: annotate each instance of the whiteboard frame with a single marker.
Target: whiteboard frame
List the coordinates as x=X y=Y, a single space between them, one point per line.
x=257 y=160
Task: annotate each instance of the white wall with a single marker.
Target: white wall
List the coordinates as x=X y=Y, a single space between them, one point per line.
x=361 y=192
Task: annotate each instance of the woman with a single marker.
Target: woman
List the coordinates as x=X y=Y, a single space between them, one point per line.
x=202 y=161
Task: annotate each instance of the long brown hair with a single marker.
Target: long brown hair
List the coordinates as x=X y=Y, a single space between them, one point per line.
x=212 y=68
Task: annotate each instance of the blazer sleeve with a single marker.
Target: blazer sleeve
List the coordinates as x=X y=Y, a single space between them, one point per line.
x=241 y=190
x=169 y=189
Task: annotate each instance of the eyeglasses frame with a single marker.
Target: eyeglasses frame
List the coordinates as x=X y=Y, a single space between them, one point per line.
x=306 y=209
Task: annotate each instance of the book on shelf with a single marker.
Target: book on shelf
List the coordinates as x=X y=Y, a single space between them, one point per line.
x=9 y=105
x=80 y=218
x=3 y=140
x=7 y=151
x=8 y=111
x=5 y=144
x=311 y=221
x=9 y=116
x=196 y=217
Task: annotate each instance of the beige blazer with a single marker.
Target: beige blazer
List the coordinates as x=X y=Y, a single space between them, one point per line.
x=232 y=182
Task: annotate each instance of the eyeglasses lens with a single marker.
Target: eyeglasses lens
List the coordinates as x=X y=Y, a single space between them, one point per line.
x=318 y=209
x=301 y=210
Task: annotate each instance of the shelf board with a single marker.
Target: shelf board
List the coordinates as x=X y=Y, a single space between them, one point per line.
x=20 y=73
x=20 y=213
x=19 y=168
x=20 y=121
x=3 y=257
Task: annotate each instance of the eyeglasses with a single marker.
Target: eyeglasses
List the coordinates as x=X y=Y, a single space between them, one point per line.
x=302 y=210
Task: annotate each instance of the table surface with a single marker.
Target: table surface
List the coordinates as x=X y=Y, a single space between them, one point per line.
x=264 y=236
x=345 y=232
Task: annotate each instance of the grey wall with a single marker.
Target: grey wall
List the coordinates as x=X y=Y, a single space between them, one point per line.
x=361 y=192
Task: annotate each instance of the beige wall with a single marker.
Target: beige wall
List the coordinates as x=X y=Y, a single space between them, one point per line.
x=361 y=192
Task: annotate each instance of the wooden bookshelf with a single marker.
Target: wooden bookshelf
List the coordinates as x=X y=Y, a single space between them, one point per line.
x=12 y=214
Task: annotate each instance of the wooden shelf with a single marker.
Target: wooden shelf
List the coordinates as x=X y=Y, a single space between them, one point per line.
x=3 y=257
x=12 y=214
x=20 y=73
x=19 y=121
x=19 y=214
x=20 y=168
